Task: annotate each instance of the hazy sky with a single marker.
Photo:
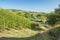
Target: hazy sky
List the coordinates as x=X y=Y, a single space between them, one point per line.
x=30 y=5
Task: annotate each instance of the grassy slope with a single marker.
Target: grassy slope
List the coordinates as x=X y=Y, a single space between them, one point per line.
x=28 y=34
x=9 y=20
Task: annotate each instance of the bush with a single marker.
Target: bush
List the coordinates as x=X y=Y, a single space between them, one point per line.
x=11 y=20
x=53 y=18
x=54 y=33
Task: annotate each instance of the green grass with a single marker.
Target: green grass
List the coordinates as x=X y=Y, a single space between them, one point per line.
x=17 y=27
x=11 y=20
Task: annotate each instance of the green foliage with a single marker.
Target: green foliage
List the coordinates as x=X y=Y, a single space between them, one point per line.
x=57 y=10
x=33 y=15
x=34 y=25
x=27 y=15
x=20 y=13
x=10 y=20
x=54 y=33
x=53 y=18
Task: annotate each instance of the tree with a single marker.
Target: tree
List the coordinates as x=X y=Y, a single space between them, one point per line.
x=27 y=15
x=57 y=10
x=33 y=15
x=53 y=18
x=38 y=16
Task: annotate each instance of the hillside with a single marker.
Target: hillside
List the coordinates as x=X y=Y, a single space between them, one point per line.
x=10 y=20
x=23 y=25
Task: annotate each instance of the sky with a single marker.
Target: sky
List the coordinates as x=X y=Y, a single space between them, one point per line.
x=30 y=5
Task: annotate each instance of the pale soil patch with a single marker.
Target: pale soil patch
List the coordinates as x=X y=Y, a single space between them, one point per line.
x=18 y=33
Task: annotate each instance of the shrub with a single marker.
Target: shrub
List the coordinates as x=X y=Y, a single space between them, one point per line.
x=11 y=20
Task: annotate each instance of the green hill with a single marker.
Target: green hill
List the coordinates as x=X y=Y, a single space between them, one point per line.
x=16 y=25
x=10 y=20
